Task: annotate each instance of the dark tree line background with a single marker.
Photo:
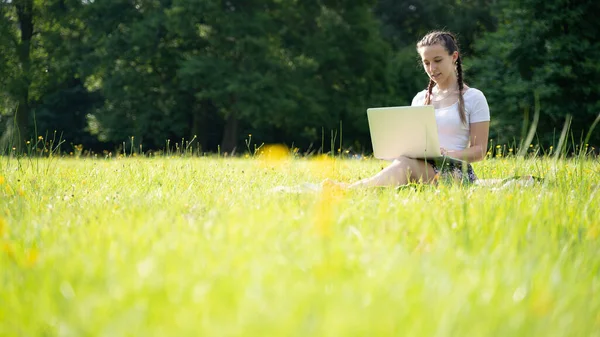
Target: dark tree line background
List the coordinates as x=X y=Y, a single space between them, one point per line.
x=101 y=73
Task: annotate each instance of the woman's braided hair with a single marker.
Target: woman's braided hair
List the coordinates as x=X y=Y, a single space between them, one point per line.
x=448 y=41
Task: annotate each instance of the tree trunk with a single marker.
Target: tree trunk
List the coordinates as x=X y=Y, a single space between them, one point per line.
x=230 y=134
x=25 y=15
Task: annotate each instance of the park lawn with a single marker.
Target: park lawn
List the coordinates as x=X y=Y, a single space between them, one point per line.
x=211 y=247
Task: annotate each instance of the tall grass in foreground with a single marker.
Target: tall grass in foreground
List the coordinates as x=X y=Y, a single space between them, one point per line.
x=205 y=247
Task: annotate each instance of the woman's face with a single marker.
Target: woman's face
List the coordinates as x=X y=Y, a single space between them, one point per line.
x=438 y=64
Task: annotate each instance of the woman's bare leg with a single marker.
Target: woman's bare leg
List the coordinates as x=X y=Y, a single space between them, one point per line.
x=400 y=172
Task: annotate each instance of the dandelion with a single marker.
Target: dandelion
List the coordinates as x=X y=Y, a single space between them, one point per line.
x=324 y=217
x=273 y=155
x=8 y=249
x=274 y=152
x=31 y=257
x=1 y=180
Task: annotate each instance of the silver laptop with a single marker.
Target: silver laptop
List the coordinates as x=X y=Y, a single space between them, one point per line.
x=409 y=131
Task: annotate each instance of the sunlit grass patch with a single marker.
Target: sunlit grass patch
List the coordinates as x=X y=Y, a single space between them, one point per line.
x=204 y=246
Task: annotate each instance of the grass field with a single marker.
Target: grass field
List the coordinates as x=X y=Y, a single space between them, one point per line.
x=207 y=247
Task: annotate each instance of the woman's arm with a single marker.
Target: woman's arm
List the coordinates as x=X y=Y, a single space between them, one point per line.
x=478 y=140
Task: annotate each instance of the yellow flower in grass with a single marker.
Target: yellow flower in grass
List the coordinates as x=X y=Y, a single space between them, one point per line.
x=1 y=180
x=3 y=227
x=323 y=221
x=9 y=250
x=324 y=211
x=273 y=155
x=31 y=257
x=274 y=152
x=322 y=167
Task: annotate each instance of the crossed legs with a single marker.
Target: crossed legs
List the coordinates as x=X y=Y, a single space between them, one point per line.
x=400 y=172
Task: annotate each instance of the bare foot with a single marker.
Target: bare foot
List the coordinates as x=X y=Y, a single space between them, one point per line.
x=332 y=184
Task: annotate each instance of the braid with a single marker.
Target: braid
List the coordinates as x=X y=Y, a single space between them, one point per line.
x=429 y=90
x=461 y=101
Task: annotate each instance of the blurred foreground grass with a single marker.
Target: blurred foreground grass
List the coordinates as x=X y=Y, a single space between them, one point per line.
x=206 y=247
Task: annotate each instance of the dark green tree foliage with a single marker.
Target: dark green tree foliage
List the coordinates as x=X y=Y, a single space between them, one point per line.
x=548 y=47
x=347 y=66
x=281 y=70
x=8 y=58
x=40 y=48
x=238 y=65
x=64 y=101
x=132 y=63
x=16 y=47
x=405 y=21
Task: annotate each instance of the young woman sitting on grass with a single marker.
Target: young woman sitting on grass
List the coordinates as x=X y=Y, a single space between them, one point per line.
x=462 y=115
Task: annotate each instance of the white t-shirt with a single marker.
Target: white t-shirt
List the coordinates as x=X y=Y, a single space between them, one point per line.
x=453 y=134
